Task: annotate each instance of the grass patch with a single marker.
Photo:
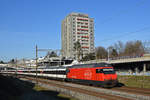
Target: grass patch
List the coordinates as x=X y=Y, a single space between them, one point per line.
x=135 y=81
x=65 y=96
x=39 y=88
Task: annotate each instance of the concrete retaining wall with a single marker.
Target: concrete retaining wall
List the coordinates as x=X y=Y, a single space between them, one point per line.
x=74 y=94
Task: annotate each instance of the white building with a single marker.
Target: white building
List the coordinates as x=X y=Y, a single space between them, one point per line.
x=77 y=27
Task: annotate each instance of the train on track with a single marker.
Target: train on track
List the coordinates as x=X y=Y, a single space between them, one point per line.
x=97 y=74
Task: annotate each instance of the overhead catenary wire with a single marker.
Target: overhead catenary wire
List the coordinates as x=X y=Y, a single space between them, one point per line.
x=126 y=34
x=138 y=4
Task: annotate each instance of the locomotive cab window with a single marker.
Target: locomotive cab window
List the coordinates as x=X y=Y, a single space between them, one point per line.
x=108 y=71
x=105 y=71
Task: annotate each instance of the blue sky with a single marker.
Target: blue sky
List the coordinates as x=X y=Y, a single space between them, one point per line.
x=25 y=23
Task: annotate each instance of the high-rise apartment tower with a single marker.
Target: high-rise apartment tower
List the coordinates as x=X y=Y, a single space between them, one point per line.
x=77 y=27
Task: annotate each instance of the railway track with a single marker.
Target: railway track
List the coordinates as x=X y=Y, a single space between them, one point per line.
x=141 y=91
x=81 y=90
x=122 y=93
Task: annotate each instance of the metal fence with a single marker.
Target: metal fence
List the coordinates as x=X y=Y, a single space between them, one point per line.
x=134 y=73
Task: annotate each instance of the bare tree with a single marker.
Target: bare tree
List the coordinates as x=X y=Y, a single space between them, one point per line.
x=133 y=48
x=130 y=48
x=101 y=52
x=146 y=45
x=87 y=57
x=119 y=46
x=139 y=47
x=112 y=51
x=51 y=54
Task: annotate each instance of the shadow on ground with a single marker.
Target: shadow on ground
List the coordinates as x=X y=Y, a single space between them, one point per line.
x=42 y=95
x=120 y=84
x=12 y=88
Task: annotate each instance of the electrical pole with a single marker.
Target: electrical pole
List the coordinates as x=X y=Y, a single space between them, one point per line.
x=16 y=67
x=37 y=60
x=60 y=57
x=36 y=63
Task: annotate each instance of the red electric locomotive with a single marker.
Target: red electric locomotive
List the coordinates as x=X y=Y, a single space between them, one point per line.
x=99 y=74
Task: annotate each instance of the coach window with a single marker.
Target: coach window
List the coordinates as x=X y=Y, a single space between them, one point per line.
x=59 y=72
x=51 y=72
x=45 y=72
x=63 y=72
x=54 y=72
x=98 y=71
x=48 y=72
